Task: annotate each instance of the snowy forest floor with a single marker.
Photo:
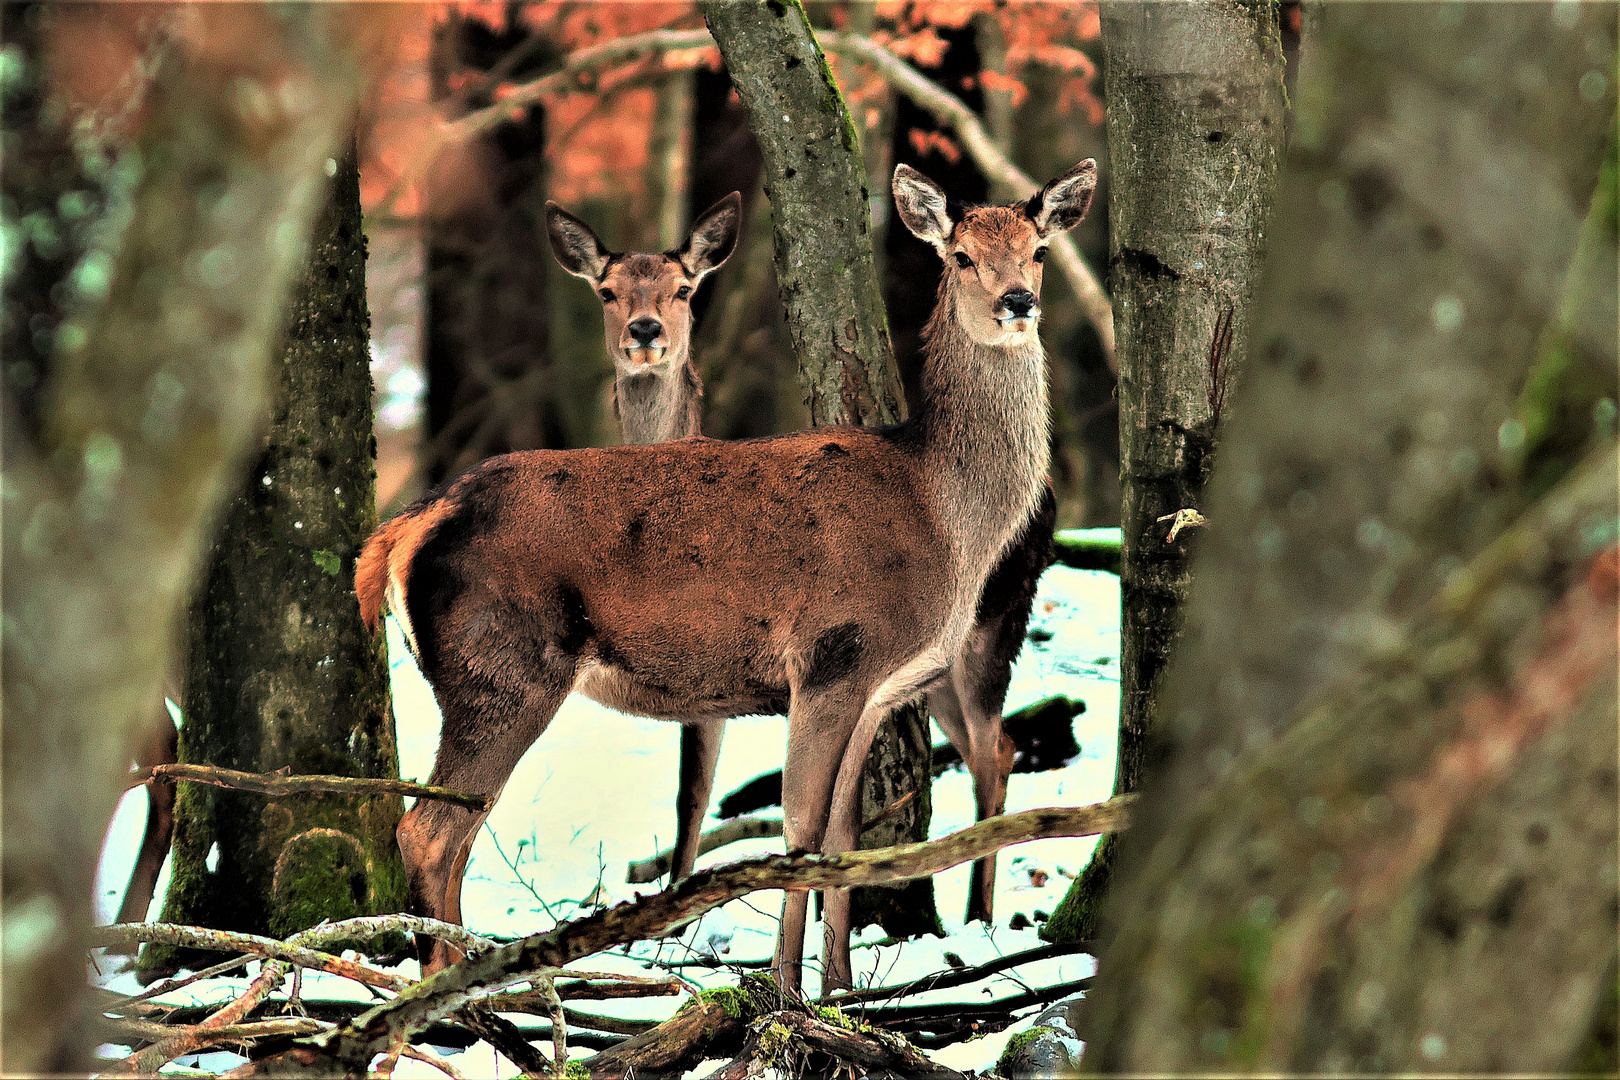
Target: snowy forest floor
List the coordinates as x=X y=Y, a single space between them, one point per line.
x=598 y=791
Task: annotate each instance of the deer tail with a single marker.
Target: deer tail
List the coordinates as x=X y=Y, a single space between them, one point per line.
x=382 y=573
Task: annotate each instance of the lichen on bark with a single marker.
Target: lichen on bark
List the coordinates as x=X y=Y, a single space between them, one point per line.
x=279 y=670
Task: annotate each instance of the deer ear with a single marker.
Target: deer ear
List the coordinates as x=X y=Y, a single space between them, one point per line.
x=713 y=239
x=1061 y=204
x=922 y=205
x=574 y=244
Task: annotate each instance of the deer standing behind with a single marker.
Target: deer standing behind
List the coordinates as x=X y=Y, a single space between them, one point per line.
x=835 y=572
x=647 y=319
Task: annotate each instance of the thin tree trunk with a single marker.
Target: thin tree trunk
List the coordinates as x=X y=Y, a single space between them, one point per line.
x=145 y=380
x=1195 y=133
x=495 y=382
x=1383 y=837
x=280 y=671
x=815 y=177
x=669 y=160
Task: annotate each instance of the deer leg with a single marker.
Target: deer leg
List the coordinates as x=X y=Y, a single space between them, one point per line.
x=980 y=685
x=700 y=752
x=819 y=728
x=436 y=838
x=161 y=746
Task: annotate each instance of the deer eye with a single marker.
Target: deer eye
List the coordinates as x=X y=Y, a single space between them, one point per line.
x=683 y=292
x=1040 y=255
x=963 y=261
x=607 y=295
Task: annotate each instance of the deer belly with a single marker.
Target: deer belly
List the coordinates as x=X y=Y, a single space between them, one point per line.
x=703 y=695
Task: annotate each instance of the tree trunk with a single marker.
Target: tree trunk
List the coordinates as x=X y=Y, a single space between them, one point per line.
x=815 y=177
x=279 y=671
x=145 y=380
x=494 y=382
x=1195 y=132
x=1383 y=836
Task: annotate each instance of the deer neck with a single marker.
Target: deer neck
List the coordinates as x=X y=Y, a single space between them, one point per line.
x=658 y=407
x=986 y=440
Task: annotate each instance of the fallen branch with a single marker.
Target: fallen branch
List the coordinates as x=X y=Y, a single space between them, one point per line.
x=727 y=832
x=281 y=783
x=354 y=1045
x=227 y=941
x=916 y=1015
x=950 y=111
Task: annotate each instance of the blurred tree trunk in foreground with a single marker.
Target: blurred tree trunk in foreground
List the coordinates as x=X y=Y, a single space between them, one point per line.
x=141 y=403
x=815 y=177
x=1195 y=133
x=1382 y=834
x=493 y=383
x=280 y=672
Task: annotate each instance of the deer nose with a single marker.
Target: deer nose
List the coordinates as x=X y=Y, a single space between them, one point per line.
x=1018 y=302
x=645 y=331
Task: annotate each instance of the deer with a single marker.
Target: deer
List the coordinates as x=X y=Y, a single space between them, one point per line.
x=647 y=320
x=833 y=574
x=657 y=397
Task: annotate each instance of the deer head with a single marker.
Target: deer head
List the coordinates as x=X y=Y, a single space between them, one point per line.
x=993 y=254
x=646 y=298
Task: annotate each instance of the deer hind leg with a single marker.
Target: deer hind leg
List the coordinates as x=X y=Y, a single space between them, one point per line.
x=967 y=706
x=700 y=752
x=483 y=738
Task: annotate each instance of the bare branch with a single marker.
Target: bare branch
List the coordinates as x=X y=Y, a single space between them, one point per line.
x=278 y=784
x=949 y=110
x=727 y=832
x=224 y=940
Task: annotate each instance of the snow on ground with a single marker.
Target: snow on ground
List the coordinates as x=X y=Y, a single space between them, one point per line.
x=598 y=791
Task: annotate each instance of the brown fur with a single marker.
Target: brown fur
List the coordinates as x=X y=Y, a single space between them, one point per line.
x=841 y=569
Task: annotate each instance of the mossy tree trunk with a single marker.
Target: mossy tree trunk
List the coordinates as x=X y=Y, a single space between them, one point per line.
x=1195 y=135
x=815 y=177
x=1381 y=836
x=279 y=670
x=133 y=384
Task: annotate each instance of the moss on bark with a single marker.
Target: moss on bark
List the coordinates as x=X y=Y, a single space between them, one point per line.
x=280 y=671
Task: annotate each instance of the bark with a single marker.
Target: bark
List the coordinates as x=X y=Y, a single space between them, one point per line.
x=815 y=177
x=280 y=672
x=1195 y=134
x=145 y=382
x=1385 y=821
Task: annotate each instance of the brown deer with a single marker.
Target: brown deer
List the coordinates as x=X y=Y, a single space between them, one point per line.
x=647 y=316
x=835 y=572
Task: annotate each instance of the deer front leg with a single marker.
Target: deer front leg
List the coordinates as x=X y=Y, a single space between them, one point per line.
x=700 y=752
x=819 y=727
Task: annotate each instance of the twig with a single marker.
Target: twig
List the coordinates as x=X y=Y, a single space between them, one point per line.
x=356 y=1043
x=949 y=110
x=430 y=1058
x=280 y=783
x=727 y=832
x=900 y=1015
x=222 y=940
x=959 y=976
